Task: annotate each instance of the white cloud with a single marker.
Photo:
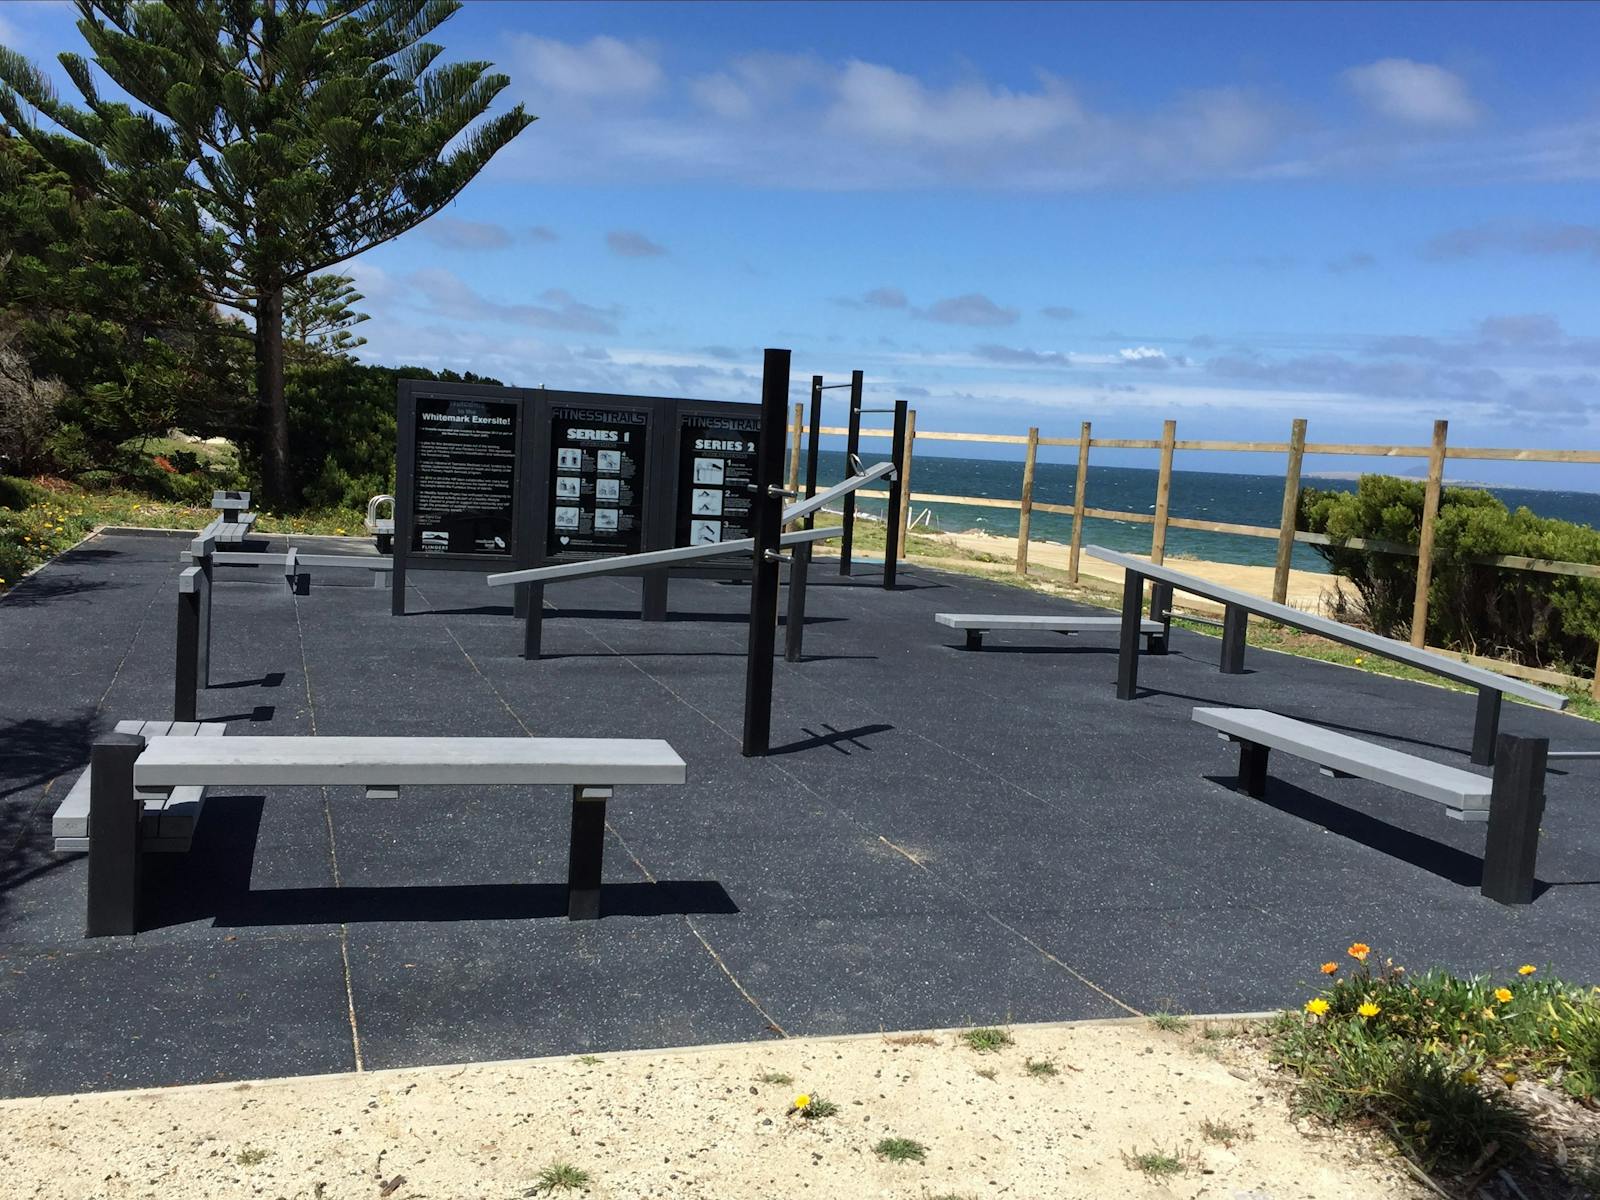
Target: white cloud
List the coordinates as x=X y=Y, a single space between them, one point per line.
x=447 y=295
x=883 y=104
x=454 y=233
x=626 y=243
x=603 y=68
x=1414 y=93
x=970 y=309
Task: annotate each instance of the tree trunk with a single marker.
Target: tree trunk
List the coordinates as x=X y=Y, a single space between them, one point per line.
x=272 y=409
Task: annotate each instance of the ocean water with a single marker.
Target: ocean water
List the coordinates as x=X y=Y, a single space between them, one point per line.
x=1202 y=495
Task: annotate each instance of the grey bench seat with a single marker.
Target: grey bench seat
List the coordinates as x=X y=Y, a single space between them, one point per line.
x=170 y=813
x=975 y=625
x=592 y=767
x=1464 y=794
x=233 y=532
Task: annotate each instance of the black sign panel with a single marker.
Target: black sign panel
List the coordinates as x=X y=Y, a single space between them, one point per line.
x=716 y=469
x=597 y=481
x=464 y=489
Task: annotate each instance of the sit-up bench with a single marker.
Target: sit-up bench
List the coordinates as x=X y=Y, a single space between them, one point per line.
x=170 y=813
x=977 y=624
x=1511 y=803
x=126 y=764
x=234 y=518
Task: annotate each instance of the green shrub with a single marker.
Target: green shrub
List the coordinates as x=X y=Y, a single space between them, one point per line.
x=1526 y=616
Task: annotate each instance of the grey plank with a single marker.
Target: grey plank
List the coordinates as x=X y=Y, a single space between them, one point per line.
x=1057 y=623
x=1435 y=781
x=1336 y=631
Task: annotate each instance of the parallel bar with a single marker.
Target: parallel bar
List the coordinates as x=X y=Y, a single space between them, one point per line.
x=845 y=487
x=766 y=519
x=1516 y=805
x=116 y=832
x=1333 y=630
x=627 y=564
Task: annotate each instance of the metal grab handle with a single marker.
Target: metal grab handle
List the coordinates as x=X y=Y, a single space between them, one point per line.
x=774 y=556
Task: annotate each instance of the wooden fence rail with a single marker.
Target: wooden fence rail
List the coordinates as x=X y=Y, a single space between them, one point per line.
x=1437 y=454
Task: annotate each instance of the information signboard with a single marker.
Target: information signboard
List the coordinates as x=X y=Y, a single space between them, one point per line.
x=716 y=471
x=599 y=459
x=464 y=476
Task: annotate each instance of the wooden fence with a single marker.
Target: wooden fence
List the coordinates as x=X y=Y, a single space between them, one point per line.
x=1295 y=449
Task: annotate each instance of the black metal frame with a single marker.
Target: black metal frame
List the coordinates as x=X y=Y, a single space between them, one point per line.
x=852 y=453
x=765 y=557
x=794 y=627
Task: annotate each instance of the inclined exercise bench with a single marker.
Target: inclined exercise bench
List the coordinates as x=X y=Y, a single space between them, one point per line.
x=1511 y=803
x=125 y=764
x=234 y=519
x=170 y=813
x=975 y=625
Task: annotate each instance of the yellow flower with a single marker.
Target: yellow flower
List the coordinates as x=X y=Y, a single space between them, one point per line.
x=1316 y=1006
x=1469 y=1077
x=1360 y=660
x=338 y=531
x=802 y=1102
x=1359 y=951
x=1488 y=1014
x=1510 y=1077
x=1368 y=1009
x=1329 y=968
x=1526 y=969
x=1503 y=995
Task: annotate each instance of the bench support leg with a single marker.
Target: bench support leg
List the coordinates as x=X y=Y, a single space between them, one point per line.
x=974 y=639
x=186 y=660
x=1516 y=805
x=532 y=619
x=1486 y=728
x=1160 y=610
x=116 y=833
x=588 y=849
x=1253 y=768
x=1235 y=624
x=653 y=596
x=1128 y=648
x=204 y=670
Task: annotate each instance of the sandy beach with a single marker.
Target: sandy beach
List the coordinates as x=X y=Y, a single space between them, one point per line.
x=718 y=1122
x=1306 y=588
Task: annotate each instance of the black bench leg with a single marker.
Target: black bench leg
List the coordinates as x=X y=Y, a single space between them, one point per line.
x=1486 y=728
x=186 y=660
x=1128 y=647
x=588 y=850
x=116 y=833
x=1253 y=768
x=1235 y=624
x=974 y=639
x=1160 y=610
x=1516 y=805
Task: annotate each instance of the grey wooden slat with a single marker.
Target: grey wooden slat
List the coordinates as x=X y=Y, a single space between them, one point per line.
x=182 y=812
x=154 y=729
x=1062 y=624
x=72 y=814
x=1335 y=631
x=183 y=729
x=211 y=729
x=398 y=761
x=158 y=845
x=1435 y=781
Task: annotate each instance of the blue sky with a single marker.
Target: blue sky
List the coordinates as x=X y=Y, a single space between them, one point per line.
x=1369 y=216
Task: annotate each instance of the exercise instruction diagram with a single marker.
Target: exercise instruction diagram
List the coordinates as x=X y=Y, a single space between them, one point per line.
x=596 y=481
x=717 y=468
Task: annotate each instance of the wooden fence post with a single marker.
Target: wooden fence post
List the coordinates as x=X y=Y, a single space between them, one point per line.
x=1594 y=685
x=1158 y=534
x=1025 y=517
x=1291 y=510
x=797 y=434
x=905 y=482
x=1430 y=511
x=1077 y=504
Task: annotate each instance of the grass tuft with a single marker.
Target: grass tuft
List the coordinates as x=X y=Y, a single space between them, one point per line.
x=782 y=1077
x=590 y=1060
x=561 y=1177
x=986 y=1039
x=899 y=1150
x=250 y=1156
x=1040 y=1068
x=1169 y=1022
x=988 y=1073
x=1222 y=1133
x=1158 y=1163
x=818 y=1108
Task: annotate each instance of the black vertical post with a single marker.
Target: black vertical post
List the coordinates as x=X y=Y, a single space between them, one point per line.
x=1128 y=649
x=1253 y=768
x=1235 y=624
x=653 y=601
x=587 y=854
x=1516 y=805
x=207 y=565
x=532 y=619
x=794 y=625
x=1486 y=728
x=1161 y=611
x=897 y=496
x=186 y=659
x=767 y=525
x=852 y=450
x=116 y=831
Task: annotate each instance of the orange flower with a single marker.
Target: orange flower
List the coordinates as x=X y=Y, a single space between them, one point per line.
x=1359 y=951
x=1329 y=968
